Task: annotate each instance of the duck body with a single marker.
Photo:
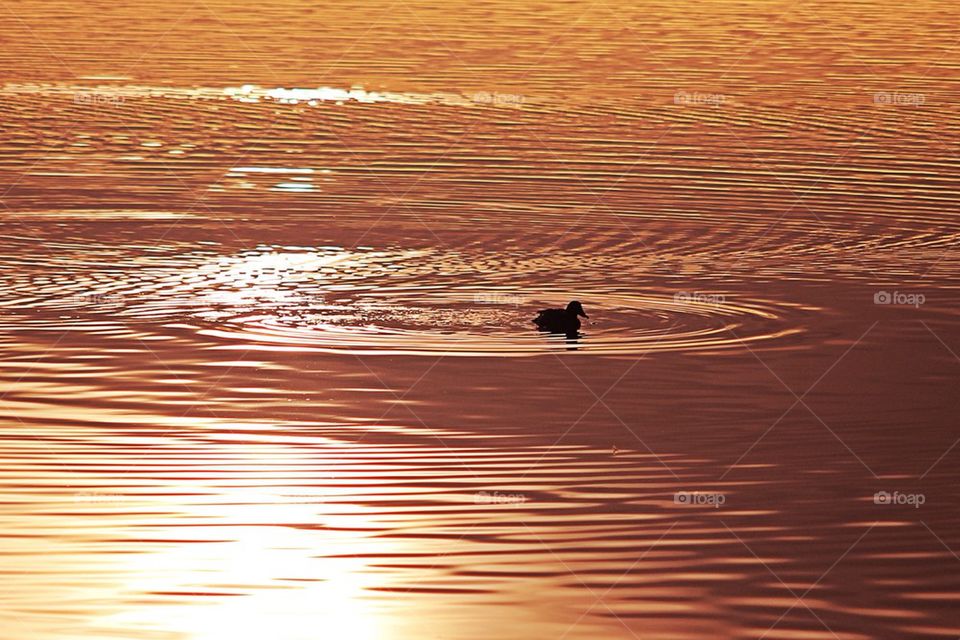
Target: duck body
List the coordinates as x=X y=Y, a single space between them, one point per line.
x=561 y=320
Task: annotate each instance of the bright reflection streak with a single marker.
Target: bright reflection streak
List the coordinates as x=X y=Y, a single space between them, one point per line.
x=259 y=277
x=312 y=577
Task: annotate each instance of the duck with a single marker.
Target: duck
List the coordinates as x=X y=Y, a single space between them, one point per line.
x=561 y=320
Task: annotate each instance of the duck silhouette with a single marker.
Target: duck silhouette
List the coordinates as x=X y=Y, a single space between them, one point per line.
x=565 y=321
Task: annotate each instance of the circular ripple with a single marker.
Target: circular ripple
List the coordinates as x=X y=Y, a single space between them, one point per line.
x=391 y=301
x=624 y=324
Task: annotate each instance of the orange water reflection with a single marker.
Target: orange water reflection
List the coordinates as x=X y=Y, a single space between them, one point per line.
x=266 y=280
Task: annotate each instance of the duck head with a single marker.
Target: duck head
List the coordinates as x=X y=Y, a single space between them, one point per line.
x=576 y=308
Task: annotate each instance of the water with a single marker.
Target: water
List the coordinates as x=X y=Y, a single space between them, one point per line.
x=267 y=361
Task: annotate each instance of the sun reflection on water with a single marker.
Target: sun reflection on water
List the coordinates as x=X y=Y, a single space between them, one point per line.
x=313 y=572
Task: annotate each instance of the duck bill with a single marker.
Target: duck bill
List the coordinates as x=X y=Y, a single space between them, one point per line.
x=584 y=315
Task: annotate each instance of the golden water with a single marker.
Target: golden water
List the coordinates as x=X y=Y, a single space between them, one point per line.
x=266 y=360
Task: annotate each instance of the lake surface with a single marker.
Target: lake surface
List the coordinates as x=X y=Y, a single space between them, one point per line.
x=266 y=361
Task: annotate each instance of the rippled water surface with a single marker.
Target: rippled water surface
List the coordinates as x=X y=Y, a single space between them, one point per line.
x=266 y=357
